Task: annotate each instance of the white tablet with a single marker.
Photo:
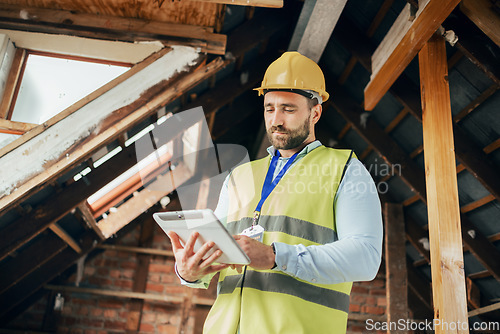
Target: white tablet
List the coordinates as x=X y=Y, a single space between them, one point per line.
x=210 y=229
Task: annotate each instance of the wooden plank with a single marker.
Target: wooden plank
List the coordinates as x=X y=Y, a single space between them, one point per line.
x=473 y=294
x=479 y=246
x=61 y=233
x=417 y=236
x=16 y=128
x=448 y=280
x=401 y=45
x=478 y=48
x=144 y=200
x=256 y=3
x=483 y=310
x=474 y=159
x=395 y=265
x=43 y=274
x=344 y=131
x=11 y=83
x=492 y=147
x=111 y=27
x=476 y=204
x=405 y=91
x=100 y=121
x=483 y=14
x=39 y=252
x=89 y=219
x=419 y=294
x=142 y=250
x=476 y=102
x=382 y=143
x=370 y=32
x=399 y=117
x=411 y=200
x=128 y=294
x=54 y=208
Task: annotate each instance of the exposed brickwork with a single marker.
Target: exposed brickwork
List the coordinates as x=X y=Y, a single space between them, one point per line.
x=368 y=301
x=113 y=270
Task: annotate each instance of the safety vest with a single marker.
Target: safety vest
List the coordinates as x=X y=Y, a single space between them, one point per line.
x=298 y=211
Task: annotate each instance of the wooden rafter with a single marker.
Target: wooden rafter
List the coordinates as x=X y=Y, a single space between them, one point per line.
x=11 y=82
x=105 y=117
x=56 y=207
x=36 y=254
x=482 y=13
x=43 y=274
x=386 y=5
x=414 y=177
x=146 y=198
x=110 y=27
x=255 y=3
x=401 y=45
x=61 y=233
x=478 y=48
x=473 y=157
x=129 y=294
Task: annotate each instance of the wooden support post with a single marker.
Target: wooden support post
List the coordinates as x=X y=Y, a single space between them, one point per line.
x=395 y=265
x=448 y=281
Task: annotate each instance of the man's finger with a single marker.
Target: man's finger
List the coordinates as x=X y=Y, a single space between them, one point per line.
x=200 y=254
x=211 y=259
x=174 y=240
x=189 y=247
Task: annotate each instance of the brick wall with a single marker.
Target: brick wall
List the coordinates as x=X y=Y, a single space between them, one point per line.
x=368 y=301
x=114 y=270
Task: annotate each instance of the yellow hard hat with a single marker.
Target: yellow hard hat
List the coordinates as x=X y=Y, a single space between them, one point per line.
x=294 y=71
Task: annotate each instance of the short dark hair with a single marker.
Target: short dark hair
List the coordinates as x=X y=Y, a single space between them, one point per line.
x=312 y=102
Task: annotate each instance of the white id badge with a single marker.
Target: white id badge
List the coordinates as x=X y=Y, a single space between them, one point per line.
x=255 y=232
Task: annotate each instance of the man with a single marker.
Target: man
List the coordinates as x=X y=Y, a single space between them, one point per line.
x=315 y=214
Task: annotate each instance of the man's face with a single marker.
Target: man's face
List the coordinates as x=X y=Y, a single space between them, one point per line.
x=288 y=119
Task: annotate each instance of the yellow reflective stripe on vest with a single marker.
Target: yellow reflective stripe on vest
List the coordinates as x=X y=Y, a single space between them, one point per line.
x=276 y=282
x=291 y=226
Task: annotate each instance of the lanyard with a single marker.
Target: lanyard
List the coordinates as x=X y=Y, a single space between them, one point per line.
x=270 y=184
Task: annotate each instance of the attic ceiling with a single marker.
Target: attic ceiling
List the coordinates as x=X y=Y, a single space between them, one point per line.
x=46 y=224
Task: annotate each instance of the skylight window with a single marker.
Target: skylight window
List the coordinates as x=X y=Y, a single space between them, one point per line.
x=51 y=84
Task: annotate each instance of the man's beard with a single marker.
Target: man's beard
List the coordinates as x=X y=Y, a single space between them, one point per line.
x=291 y=138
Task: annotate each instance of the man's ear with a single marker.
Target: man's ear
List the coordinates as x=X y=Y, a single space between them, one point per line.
x=316 y=112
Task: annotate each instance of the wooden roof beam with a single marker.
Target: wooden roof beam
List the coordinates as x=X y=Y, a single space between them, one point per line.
x=477 y=47
x=110 y=27
x=145 y=199
x=315 y=25
x=486 y=253
x=483 y=14
x=402 y=43
x=33 y=256
x=255 y=3
x=474 y=159
x=101 y=120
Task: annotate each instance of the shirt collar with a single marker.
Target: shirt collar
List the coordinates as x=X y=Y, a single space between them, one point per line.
x=308 y=148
